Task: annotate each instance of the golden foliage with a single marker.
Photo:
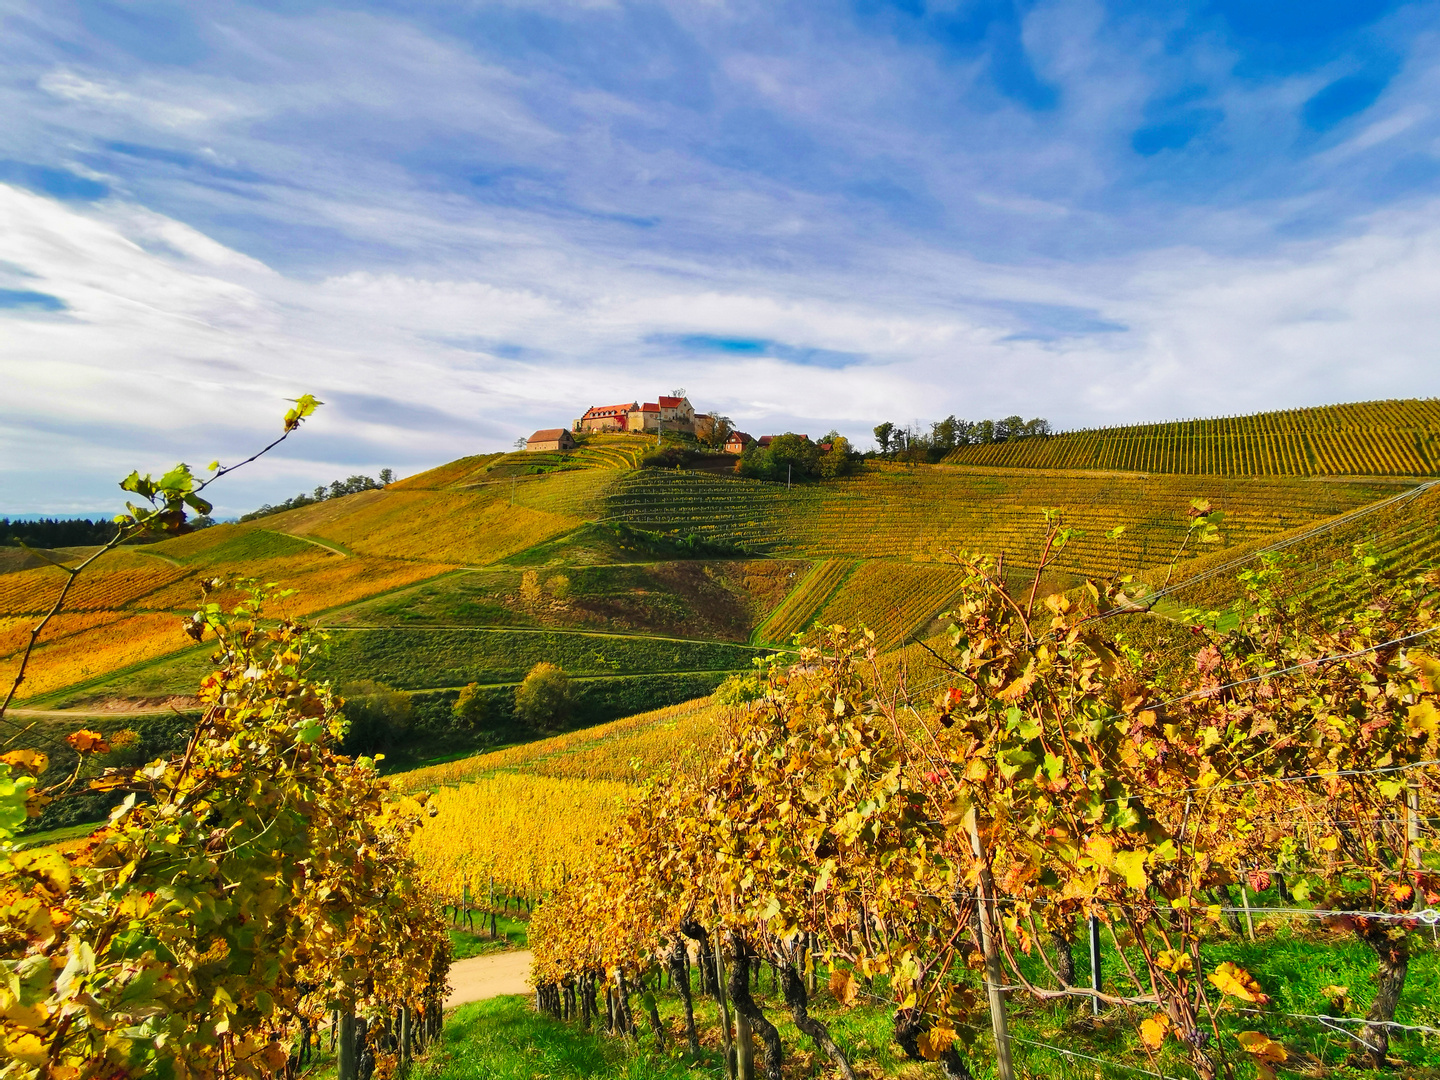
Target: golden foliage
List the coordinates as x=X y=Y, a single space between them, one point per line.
x=479 y=527
x=527 y=832
x=88 y=654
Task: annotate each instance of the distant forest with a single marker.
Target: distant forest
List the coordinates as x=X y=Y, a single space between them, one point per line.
x=59 y=532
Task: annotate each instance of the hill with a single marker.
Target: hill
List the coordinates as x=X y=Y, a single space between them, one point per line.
x=1378 y=438
x=647 y=584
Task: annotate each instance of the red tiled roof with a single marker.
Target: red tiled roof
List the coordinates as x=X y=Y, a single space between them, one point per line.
x=551 y=434
x=670 y=402
x=608 y=410
x=743 y=436
x=650 y=406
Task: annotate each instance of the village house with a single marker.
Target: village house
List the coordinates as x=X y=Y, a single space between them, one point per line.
x=737 y=442
x=556 y=438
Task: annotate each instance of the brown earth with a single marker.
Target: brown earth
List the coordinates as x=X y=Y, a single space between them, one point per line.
x=482 y=977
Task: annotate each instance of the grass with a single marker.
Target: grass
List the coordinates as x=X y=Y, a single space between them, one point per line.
x=412 y=659
x=1293 y=964
x=723 y=600
x=503 y=1039
x=511 y=934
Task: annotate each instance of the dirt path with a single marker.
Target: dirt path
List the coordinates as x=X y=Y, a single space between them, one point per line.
x=482 y=977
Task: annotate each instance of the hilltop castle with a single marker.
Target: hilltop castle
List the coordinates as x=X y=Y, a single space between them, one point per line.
x=667 y=414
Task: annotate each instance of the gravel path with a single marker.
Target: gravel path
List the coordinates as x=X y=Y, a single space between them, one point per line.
x=482 y=977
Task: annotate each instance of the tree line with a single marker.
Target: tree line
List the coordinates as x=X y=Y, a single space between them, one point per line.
x=68 y=532
x=337 y=489
x=913 y=443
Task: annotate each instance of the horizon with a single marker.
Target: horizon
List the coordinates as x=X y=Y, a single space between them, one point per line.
x=458 y=226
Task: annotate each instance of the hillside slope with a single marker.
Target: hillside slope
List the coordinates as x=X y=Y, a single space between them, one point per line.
x=583 y=542
x=1377 y=438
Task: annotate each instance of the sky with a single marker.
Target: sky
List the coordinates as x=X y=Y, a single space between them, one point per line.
x=456 y=222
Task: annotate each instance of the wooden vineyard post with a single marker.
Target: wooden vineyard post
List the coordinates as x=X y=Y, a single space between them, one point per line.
x=1249 y=919
x=406 y=1036
x=492 y=907
x=999 y=1024
x=346 y=1065
x=724 y=1006
x=1095 y=963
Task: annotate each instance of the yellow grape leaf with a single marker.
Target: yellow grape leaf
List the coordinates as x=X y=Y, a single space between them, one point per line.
x=1017 y=689
x=1153 y=1029
x=844 y=986
x=1422 y=719
x=1330 y=843
x=1265 y=1050
x=935 y=1042
x=31 y=761
x=85 y=741
x=1430 y=670
x=1174 y=961
x=27 y=1047
x=1235 y=981
x=1132 y=865
x=1101 y=850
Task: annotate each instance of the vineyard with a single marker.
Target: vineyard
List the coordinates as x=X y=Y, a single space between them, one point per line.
x=1193 y=839
x=895 y=600
x=798 y=610
x=891 y=512
x=691 y=598
x=1382 y=438
x=415 y=659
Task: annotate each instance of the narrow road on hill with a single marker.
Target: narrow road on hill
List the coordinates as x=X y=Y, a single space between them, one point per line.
x=482 y=977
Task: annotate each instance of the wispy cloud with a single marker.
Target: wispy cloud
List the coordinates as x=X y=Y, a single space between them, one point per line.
x=459 y=223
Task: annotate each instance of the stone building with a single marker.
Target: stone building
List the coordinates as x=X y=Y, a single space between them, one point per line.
x=667 y=414
x=556 y=438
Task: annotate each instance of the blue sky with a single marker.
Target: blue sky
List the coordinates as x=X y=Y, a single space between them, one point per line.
x=457 y=222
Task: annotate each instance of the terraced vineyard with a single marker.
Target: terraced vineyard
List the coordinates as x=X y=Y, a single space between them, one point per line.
x=894 y=512
x=893 y=599
x=1381 y=438
x=798 y=610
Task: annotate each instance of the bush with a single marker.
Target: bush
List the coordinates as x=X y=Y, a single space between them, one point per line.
x=378 y=717
x=739 y=689
x=471 y=708
x=545 y=700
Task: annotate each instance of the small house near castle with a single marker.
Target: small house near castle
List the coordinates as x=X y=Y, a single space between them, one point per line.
x=667 y=414
x=550 y=439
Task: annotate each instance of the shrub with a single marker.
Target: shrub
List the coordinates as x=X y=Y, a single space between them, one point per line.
x=545 y=699
x=739 y=689
x=471 y=708
x=378 y=716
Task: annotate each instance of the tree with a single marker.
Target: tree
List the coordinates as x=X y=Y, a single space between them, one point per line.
x=387 y=477
x=712 y=429
x=837 y=460
x=378 y=716
x=471 y=708
x=545 y=699
x=1012 y=427
x=882 y=436
x=947 y=434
